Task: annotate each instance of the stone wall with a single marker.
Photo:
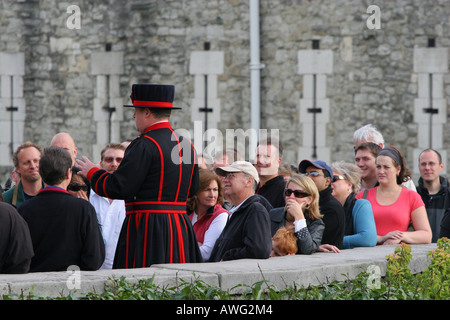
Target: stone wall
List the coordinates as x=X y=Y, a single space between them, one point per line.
x=372 y=79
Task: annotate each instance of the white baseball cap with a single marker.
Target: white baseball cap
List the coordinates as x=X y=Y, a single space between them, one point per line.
x=239 y=166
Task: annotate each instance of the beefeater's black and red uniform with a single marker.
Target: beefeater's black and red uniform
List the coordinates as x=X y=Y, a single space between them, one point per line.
x=156 y=176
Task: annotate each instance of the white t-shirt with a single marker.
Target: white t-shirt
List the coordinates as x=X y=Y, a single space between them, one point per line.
x=110 y=216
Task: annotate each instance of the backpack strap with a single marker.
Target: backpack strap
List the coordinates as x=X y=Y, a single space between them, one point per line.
x=14 y=199
x=366 y=191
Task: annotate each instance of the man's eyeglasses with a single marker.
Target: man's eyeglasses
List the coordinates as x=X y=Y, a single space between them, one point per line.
x=312 y=174
x=297 y=193
x=337 y=177
x=77 y=187
x=111 y=159
x=230 y=175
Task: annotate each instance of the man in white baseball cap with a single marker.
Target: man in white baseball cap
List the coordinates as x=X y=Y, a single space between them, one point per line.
x=247 y=234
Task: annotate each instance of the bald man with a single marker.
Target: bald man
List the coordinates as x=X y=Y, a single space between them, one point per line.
x=65 y=141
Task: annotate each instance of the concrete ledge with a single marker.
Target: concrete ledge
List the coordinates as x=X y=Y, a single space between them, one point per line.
x=281 y=272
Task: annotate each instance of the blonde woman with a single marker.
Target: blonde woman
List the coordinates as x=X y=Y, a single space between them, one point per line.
x=301 y=212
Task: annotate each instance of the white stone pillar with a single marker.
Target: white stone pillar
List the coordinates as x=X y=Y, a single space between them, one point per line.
x=314 y=65
x=12 y=70
x=205 y=65
x=107 y=67
x=430 y=65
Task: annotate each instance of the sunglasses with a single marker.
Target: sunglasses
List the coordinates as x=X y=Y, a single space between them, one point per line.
x=312 y=174
x=111 y=159
x=336 y=178
x=77 y=187
x=297 y=193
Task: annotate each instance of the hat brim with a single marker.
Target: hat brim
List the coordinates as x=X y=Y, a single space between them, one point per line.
x=305 y=164
x=222 y=171
x=150 y=107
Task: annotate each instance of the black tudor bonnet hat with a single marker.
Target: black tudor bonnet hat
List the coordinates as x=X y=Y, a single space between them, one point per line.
x=158 y=96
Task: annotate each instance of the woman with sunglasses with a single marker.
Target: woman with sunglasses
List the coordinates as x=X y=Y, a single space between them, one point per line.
x=79 y=186
x=301 y=212
x=360 y=230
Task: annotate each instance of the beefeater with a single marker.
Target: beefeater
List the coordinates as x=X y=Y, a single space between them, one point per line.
x=155 y=178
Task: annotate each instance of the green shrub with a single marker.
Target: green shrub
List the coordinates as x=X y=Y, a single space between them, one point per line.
x=399 y=283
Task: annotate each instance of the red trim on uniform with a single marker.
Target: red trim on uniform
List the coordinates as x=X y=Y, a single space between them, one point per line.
x=161 y=178
x=152 y=103
x=53 y=189
x=91 y=173
x=193 y=167
x=171 y=240
x=180 y=240
x=180 y=166
x=127 y=244
x=145 y=241
x=155 y=202
x=159 y=125
x=137 y=218
x=156 y=211
x=104 y=188
x=96 y=184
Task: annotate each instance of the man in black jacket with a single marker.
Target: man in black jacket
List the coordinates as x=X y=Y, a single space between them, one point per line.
x=64 y=229
x=331 y=209
x=267 y=162
x=434 y=190
x=16 y=249
x=247 y=233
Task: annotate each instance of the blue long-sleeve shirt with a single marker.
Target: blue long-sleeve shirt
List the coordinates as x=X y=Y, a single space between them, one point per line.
x=365 y=232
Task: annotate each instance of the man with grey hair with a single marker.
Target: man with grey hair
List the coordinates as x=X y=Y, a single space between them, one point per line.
x=247 y=234
x=368 y=133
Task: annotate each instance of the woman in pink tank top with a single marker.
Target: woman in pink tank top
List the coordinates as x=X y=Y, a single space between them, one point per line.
x=395 y=207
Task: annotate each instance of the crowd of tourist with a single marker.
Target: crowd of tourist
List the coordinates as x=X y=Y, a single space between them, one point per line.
x=51 y=216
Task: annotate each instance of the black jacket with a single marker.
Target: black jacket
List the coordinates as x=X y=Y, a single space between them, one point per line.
x=308 y=241
x=16 y=248
x=273 y=191
x=64 y=231
x=246 y=235
x=333 y=217
x=436 y=205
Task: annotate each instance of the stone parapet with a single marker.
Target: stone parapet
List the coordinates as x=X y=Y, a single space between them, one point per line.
x=280 y=272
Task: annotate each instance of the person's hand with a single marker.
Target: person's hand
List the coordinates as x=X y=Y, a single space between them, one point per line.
x=328 y=248
x=295 y=209
x=82 y=195
x=391 y=241
x=392 y=237
x=84 y=165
